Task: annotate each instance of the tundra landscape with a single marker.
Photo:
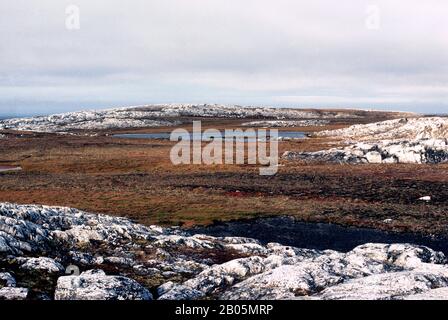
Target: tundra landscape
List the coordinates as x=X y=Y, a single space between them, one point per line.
x=223 y=159
x=95 y=193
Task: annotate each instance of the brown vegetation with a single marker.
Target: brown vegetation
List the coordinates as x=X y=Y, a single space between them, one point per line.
x=135 y=178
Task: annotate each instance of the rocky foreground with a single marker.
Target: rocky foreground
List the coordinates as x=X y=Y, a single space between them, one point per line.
x=166 y=115
x=417 y=140
x=66 y=254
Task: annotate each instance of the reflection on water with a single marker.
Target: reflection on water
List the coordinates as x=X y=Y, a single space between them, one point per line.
x=206 y=136
x=8 y=168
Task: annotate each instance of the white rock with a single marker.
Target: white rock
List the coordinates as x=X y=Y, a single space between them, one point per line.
x=96 y=285
x=160 y=115
x=401 y=255
x=404 y=129
x=164 y=288
x=416 y=140
x=285 y=124
x=11 y=293
x=284 y=282
x=42 y=264
x=182 y=268
x=390 y=160
x=373 y=157
x=395 y=285
x=433 y=294
x=216 y=277
x=382 y=152
x=7 y=280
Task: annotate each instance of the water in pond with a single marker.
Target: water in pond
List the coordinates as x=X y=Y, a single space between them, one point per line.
x=204 y=136
x=8 y=168
x=320 y=236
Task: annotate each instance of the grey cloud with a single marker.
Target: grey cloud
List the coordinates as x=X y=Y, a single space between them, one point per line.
x=252 y=52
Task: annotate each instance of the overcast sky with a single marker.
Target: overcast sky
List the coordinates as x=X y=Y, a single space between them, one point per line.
x=282 y=53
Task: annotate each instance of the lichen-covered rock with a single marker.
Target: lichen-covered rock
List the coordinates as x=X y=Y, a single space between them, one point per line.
x=44 y=264
x=373 y=157
x=96 y=285
x=286 y=124
x=218 y=276
x=161 y=115
x=12 y=293
x=42 y=228
x=164 y=288
x=399 y=255
x=416 y=140
x=39 y=243
x=394 y=285
x=403 y=151
x=288 y=274
x=403 y=129
x=433 y=294
x=284 y=282
x=7 y=280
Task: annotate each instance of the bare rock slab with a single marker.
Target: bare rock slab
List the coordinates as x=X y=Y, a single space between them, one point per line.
x=96 y=285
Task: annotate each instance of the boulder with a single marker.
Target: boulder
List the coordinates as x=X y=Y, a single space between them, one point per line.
x=373 y=157
x=96 y=285
x=7 y=280
x=433 y=294
x=394 y=285
x=12 y=293
x=417 y=140
x=44 y=264
x=401 y=151
x=405 y=129
x=178 y=265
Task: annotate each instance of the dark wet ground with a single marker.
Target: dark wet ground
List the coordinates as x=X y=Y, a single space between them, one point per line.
x=321 y=236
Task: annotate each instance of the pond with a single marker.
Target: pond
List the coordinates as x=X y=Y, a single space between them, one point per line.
x=204 y=136
x=319 y=236
x=9 y=168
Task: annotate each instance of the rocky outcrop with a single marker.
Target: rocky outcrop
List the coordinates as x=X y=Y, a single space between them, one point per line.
x=286 y=124
x=85 y=120
x=8 y=289
x=96 y=285
x=252 y=112
x=411 y=129
x=423 y=151
x=7 y=280
x=164 y=115
x=394 y=285
x=67 y=254
x=433 y=294
x=306 y=273
x=419 y=140
x=11 y=293
x=44 y=264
